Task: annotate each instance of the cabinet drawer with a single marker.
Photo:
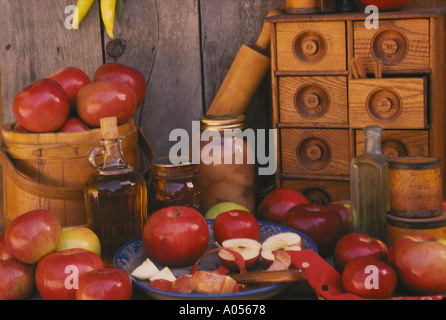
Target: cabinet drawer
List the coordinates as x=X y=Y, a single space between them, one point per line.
x=315 y=151
x=388 y=102
x=320 y=191
x=399 y=143
x=399 y=44
x=313 y=99
x=309 y=45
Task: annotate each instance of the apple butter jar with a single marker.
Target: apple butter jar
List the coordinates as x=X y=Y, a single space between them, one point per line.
x=227 y=166
x=115 y=194
x=174 y=184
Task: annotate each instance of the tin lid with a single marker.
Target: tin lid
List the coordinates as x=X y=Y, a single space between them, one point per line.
x=414 y=163
x=223 y=121
x=417 y=223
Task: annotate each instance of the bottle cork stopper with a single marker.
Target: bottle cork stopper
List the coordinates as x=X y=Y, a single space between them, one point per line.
x=109 y=128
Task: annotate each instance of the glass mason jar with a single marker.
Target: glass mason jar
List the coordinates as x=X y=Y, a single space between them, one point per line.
x=227 y=165
x=174 y=185
x=115 y=197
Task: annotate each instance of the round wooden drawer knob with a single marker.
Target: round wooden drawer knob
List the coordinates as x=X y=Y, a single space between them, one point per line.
x=390 y=46
x=310 y=47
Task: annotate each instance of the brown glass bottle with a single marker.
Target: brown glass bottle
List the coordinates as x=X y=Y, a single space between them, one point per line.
x=115 y=196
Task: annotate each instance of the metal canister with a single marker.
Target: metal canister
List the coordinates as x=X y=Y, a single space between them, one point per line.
x=398 y=227
x=415 y=187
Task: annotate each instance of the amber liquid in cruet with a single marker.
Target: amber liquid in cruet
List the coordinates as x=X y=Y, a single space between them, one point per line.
x=117 y=210
x=115 y=196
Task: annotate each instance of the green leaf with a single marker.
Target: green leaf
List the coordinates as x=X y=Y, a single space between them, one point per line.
x=119 y=8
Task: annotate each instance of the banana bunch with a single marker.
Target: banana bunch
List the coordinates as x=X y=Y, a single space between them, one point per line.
x=108 y=10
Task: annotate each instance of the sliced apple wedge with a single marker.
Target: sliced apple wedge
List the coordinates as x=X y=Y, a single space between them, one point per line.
x=248 y=248
x=280 y=241
x=165 y=274
x=146 y=270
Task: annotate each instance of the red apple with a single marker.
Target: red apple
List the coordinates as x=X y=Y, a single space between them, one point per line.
x=58 y=273
x=289 y=241
x=74 y=124
x=175 y=236
x=124 y=74
x=323 y=225
x=71 y=79
x=105 y=99
x=344 y=209
x=33 y=235
x=248 y=248
x=385 y=5
x=42 y=106
x=4 y=254
x=369 y=277
x=420 y=262
x=276 y=204
x=354 y=245
x=105 y=284
x=235 y=224
x=16 y=280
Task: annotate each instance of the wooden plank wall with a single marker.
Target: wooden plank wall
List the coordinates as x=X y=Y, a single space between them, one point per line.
x=184 y=48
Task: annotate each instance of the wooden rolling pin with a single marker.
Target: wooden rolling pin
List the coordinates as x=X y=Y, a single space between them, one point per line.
x=245 y=75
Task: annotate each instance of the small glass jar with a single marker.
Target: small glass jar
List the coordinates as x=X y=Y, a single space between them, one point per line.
x=174 y=185
x=227 y=166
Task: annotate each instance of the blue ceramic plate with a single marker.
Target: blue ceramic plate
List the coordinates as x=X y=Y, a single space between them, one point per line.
x=132 y=254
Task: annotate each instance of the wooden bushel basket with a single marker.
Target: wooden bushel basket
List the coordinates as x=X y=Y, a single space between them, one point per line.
x=49 y=170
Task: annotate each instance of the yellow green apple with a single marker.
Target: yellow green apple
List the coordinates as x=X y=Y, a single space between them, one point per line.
x=79 y=237
x=221 y=207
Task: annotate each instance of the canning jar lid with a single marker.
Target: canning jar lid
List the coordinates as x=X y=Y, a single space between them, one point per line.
x=223 y=121
x=163 y=167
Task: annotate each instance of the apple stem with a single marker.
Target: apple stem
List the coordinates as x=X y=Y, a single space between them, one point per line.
x=178 y=211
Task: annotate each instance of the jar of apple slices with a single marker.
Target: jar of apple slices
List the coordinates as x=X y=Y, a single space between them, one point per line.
x=227 y=164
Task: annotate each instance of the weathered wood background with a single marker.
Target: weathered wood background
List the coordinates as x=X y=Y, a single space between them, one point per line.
x=184 y=48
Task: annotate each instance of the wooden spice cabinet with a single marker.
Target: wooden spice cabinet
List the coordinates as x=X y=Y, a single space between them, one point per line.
x=320 y=106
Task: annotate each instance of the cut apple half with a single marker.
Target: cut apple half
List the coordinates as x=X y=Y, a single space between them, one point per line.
x=280 y=241
x=248 y=248
x=146 y=270
x=164 y=274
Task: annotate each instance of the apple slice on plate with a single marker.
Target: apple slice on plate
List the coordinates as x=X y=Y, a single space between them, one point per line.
x=280 y=241
x=248 y=248
x=163 y=274
x=146 y=270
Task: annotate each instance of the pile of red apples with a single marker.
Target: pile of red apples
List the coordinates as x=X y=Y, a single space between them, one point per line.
x=69 y=101
x=413 y=264
x=62 y=263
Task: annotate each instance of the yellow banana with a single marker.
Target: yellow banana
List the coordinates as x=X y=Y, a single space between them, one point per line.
x=108 y=15
x=82 y=8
